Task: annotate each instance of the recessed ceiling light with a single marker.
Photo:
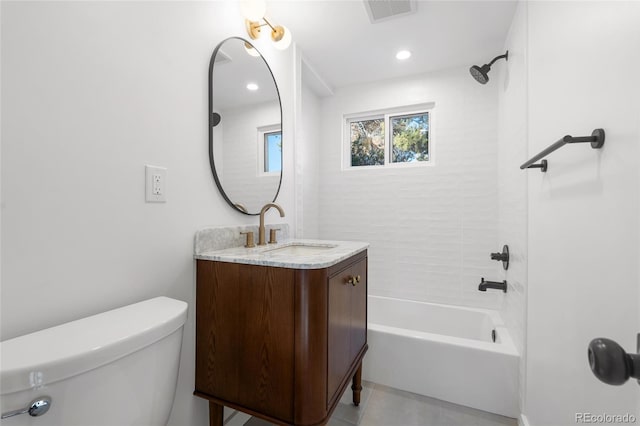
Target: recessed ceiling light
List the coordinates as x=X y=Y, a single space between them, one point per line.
x=252 y=86
x=403 y=54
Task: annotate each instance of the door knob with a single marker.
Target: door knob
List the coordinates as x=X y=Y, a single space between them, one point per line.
x=610 y=363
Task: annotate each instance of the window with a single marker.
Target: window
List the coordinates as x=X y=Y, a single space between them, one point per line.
x=410 y=138
x=367 y=142
x=273 y=152
x=388 y=138
x=269 y=150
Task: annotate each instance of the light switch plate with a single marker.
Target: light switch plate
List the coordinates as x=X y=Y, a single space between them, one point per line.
x=155 y=184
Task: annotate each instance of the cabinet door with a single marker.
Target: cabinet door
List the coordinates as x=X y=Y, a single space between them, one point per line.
x=347 y=331
x=244 y=336
x=339 y=330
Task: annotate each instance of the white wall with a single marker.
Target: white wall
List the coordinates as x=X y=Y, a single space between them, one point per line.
x=583 y=213
x=91 y=92
x=512 y=182
x=431 y=229
x=310 y=144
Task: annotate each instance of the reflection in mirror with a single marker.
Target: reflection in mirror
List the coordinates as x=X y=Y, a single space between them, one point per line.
x=245 y=126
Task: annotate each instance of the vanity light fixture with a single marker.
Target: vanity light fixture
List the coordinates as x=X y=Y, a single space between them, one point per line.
x=252 y=86
x=403 y=54
x=254 y=12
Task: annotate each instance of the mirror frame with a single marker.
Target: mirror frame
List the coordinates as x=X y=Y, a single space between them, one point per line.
x=214 y=121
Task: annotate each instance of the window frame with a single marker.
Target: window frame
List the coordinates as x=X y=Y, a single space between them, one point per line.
x=387 y=114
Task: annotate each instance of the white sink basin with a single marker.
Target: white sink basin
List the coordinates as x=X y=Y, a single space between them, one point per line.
x=300 y=250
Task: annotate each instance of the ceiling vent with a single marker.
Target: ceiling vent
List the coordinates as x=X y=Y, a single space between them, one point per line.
x=382 y=10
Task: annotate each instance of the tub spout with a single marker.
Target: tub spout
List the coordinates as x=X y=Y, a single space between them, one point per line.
x=484 y=285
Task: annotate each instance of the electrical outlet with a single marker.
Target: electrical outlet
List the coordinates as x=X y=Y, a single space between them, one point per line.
x=155 y=184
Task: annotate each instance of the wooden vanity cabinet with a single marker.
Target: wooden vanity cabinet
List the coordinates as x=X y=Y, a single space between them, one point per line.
x=278 y=343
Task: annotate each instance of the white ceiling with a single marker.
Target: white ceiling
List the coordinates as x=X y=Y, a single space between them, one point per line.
x=339 y=41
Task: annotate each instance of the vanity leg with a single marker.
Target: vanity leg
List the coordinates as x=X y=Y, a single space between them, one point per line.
x=215 y=414
x=356 y=385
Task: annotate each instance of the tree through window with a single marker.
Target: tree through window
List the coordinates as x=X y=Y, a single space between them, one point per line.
x=410 y=138
x=367 y=142
x=386 y=139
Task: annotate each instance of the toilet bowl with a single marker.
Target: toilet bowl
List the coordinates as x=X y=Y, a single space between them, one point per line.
x=116 y=368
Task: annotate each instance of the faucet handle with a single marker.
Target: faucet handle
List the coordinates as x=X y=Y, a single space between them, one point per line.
x=503 y=257
x=249 y=243
x=272 y=235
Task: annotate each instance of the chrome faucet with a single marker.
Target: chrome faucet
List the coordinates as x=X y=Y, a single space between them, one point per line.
x=261 y=231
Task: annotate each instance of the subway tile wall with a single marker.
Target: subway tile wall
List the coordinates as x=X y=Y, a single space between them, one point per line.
x=432 y=228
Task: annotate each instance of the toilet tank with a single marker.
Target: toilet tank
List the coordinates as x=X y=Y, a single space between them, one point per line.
x=116 y=368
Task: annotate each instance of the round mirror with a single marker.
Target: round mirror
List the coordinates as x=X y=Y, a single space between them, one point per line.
x=245 y=126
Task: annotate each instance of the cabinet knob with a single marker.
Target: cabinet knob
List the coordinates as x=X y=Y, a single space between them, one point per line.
x=353 y=280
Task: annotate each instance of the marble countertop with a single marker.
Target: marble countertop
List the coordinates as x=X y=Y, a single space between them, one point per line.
x=294 y=253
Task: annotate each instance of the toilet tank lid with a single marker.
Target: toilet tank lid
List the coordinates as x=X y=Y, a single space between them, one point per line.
x=60 y=352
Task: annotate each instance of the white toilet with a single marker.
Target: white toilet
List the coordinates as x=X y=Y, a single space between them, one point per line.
x=117 y=368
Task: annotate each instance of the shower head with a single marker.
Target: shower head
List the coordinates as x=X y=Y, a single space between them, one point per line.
x=481 y=74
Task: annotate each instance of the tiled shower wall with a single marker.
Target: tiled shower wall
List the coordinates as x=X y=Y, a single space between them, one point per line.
x=512 y=182
x=431 y=229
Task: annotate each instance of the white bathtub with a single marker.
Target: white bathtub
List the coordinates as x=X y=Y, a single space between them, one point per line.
x=442 y=351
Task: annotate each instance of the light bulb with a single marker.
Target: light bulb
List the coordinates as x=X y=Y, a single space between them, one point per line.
x=252 y=86
x=251 y=50
x=285 y=41
x=253 y=10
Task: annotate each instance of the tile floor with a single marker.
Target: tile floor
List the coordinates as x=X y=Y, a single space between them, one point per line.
x=385 y=406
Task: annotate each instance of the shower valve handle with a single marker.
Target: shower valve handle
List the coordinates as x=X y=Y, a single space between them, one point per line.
x=611 y=364
x=502 y=257
x=499 y=256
